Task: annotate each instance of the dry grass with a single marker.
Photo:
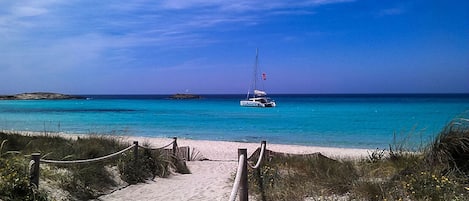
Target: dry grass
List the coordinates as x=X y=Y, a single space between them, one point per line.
x=438 y=171
x=82 y=181
x=450 y=150
x=294 y=177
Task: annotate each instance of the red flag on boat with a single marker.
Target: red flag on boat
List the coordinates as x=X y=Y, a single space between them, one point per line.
x=264 y=76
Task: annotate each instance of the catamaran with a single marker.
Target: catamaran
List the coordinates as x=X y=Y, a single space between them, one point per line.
x=259 y=97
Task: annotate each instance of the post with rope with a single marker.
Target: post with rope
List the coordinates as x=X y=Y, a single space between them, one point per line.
x=259 y=171
x=188 y=156
x=34 y=170
x=175 y=146
x=136 y=153
x=243 y=187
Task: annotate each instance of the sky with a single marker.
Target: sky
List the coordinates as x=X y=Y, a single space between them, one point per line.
x=209 y=46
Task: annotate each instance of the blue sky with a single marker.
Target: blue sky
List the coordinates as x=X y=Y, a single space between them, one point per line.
x=208 y=46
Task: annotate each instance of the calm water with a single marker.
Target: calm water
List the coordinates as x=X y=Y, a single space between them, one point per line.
x=326 y=120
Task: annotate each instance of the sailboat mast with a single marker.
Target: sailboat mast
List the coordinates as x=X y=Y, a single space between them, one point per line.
x=255 y=69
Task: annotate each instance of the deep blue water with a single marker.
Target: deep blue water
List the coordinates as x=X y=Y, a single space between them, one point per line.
x=363 y=121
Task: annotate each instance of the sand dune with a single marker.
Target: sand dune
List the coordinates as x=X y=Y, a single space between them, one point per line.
x=210 y=180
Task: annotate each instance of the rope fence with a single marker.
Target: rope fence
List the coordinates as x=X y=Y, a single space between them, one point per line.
x=36 y=159
x=261 y=156
x=241 y=180
x=181 y=152
x=240 y=186
x=159 y=148
x=87 y=160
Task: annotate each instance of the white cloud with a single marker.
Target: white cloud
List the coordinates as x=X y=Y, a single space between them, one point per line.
x=28 y=11
x=245 y=5
x=63 y=40
x=184 y=4
x=145 y=22
x=137 y=23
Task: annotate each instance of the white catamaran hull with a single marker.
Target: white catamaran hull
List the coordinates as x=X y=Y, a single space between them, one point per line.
x=257 y=102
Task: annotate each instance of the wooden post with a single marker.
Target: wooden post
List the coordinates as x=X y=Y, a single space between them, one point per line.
x=259 y=172
x=34 y=174
x=136 y=153
x=175 y=146
x=243 y=186
x=263 y=142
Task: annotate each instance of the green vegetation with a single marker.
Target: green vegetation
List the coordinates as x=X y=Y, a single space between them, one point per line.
x=439 y=171
x=14 y=179
x=75 y=181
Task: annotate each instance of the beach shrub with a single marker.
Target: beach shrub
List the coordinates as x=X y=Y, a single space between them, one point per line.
x=450 y=149
x=87 y=181
x=376 y=155
x=294 y=177
x=426 y=185
x=52 y=145
x=439 y=171
x=150 y=164
x=14 y=178
x=82 y=181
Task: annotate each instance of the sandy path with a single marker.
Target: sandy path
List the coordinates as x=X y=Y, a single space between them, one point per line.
x=209 y=181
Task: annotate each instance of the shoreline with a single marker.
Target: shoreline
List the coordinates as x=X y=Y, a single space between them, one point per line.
x=219 y=150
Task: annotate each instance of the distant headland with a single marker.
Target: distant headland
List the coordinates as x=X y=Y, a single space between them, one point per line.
x=185 y=96
x=40 y=96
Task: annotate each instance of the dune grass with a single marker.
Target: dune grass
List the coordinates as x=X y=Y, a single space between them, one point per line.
x=438 y=171
x=14 y=180
x=78 y=181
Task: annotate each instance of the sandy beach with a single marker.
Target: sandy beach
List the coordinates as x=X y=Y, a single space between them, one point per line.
x=209 y=179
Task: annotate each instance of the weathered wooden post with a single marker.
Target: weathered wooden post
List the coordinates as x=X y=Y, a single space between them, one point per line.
x=34 y=170
x=175 y=146
x=136 y=153
x=259 y=171
x=243 y=186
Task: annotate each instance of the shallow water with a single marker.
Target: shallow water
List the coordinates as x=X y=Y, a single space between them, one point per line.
x=361 y=121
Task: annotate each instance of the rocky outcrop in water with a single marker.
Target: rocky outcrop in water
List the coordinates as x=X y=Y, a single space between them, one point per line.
x=185 y=96
x=40 y=96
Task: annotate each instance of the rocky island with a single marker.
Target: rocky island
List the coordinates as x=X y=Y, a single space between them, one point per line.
x=39 y=96
x=185 y=96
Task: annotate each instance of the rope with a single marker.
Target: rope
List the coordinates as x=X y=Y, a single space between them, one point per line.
x=88 y=160
x=234 y=191
x=157 y=148
x=31 y=164
x=261 y=156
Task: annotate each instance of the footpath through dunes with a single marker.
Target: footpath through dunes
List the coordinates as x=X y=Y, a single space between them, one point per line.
x=209 y=179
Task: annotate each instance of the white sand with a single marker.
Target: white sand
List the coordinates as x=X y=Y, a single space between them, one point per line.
x=222 y=150
x=210 y=180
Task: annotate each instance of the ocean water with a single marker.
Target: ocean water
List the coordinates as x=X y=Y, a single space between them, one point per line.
x=360 y=121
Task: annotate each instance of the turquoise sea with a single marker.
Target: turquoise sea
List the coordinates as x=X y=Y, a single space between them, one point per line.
x=360 y=121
